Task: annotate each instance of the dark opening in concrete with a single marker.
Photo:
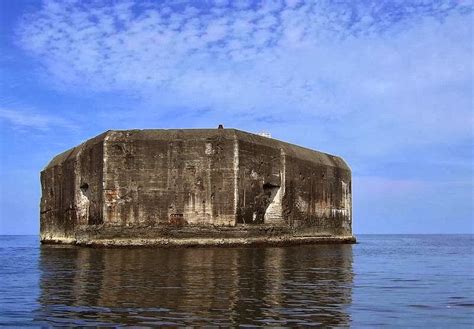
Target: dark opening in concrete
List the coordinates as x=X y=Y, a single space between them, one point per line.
x=270 y=189
x=84 y=187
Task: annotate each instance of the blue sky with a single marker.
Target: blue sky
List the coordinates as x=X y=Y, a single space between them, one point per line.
x=388 y=85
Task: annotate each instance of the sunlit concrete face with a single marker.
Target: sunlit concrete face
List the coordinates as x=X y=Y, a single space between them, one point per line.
x=193 y=187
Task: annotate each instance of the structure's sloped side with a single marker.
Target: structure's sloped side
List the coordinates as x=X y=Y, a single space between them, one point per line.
x=72 y=191
x=169 y=177
x=317 y=198
x=286 y=185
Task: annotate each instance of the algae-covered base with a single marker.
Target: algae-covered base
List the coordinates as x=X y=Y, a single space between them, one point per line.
x=205 y=242
x=194 y=236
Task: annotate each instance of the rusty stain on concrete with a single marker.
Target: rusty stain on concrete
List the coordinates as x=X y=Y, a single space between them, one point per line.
x=192 y=187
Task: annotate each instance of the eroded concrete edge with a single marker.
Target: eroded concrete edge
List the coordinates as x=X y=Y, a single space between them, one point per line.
x=205 y=242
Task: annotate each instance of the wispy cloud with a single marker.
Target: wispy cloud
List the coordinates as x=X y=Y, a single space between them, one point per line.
x=27 y=119
x=397 y=68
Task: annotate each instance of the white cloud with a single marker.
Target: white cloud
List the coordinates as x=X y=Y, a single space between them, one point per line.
x=25 y=119
x=401 y=70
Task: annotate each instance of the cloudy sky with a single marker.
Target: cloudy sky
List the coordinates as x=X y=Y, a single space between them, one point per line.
x=388 y=85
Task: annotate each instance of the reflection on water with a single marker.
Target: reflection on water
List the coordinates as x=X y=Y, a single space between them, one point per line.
x=385 y=280
x=303 y=285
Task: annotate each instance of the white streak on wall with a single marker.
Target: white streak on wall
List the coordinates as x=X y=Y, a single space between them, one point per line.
x=104 y=178
x=283 y=172
x=337 y=211
x=81 y=200
x=273 y=213
x=344 y=195
x=208 y=150
x=347 y=198
x=83 y=203
x=236 y=178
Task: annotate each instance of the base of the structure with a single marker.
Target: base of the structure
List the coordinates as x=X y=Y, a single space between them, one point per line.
x=204 y=242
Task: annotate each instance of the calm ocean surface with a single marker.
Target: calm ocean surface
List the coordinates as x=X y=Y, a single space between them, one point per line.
x=384 y=280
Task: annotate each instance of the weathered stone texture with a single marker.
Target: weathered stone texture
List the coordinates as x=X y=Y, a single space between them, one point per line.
x=193 y=187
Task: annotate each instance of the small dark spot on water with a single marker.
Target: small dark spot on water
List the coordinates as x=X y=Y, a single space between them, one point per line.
x=405 y=280
x=422 y=306
x=462 y=304
x=395 y=287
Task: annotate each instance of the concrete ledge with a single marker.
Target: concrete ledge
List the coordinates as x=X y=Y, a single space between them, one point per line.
x=204 y=242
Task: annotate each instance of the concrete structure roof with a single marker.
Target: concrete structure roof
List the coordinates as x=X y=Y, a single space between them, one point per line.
x=291 y=150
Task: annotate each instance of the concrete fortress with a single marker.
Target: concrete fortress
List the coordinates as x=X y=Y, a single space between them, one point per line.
x=194 y=187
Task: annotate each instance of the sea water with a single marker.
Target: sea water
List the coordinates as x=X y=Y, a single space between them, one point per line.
x=383 y=280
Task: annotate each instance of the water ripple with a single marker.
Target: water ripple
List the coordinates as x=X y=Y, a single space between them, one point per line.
x=384 y=280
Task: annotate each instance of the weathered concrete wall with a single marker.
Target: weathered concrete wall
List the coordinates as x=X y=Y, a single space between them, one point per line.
x=193 y=185
x=259 y=180
x=284 y=184
x=72 y=190
x=318 y=197
x=170 y=177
